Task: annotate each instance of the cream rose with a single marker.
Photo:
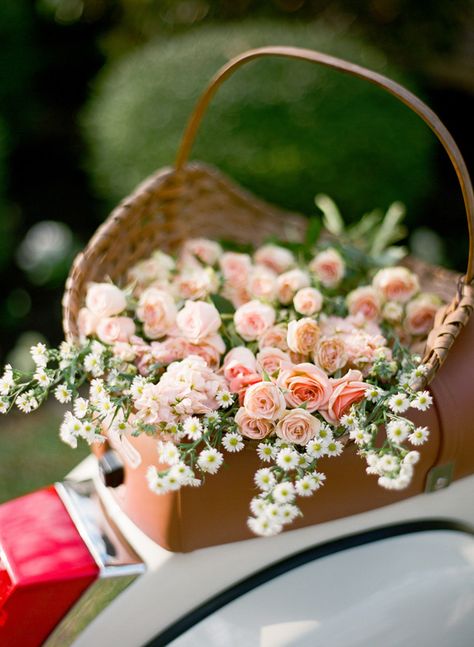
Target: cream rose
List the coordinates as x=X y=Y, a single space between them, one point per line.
x=308 y=301
x=198 y=319
x=157 y=309
x=364 y=301
x=275 y=257
x=207 y=251
x=331 y=354
x=345 y=392
x=105 y=299
x=196 y=284
x=305 y=384
x=392 y=312
x=264 y=400
x=253 y=319
x=396 y=284
x=329 y=267
x=270 y=360
x=262 y=283
x=156 y=268
x=115 y=329
x=235 y=268
x=87 y=322
x=297 y=426
x=275 y=337
x=289 y=283
x=420 y=313
x=303 y=335
x=239 y=361
x=254 y=428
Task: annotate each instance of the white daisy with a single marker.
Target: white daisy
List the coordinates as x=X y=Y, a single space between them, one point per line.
x=136 y=387
x=412 y=458
x=97 y=390
x=325 y=433
x=168 y=453
x=305 y=486
x=66 y=350
x=288 y=513
x=399 y=402
x=318 y=479
x=419 y=435
x=273 y=512
x=284 y=492
x=225 y=399
x=373 y=394
x=398 y=430
x=67 y=436
x=266 y=452
x=316 y=448
x=104 y=406
x=388 y=463
x=80 y=407
x=257 y=506
x=4 y=405
x=212 y=417
x=422 y=401
x=5 y=386
x=183 y=473
x=39 y=353
x=264 y=478
x=348 y=421
x=97 y=348
x=360 y=436
x=192 y=427
x=171 y=481
x=41 y=377
x=155 y=481
x=89 y=433
x=210 y=460
x=93 y=364
x=233 y=442
x=287 y=459
x=27 y=402
x=264 y=526
x=334 y=448
x=63 y=393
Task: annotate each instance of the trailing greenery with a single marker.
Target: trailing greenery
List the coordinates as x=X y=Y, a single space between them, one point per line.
x=284 y=129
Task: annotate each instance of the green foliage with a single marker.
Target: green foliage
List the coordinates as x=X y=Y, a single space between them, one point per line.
x=285 y=129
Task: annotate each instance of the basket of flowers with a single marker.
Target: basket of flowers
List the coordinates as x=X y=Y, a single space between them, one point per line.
x=241 y=362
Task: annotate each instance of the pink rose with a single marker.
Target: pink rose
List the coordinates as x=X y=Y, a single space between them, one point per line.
x=297 y=426
x=346 y=391
x=196 y=284
x=105 y=299
x=253 y=319
x=87 y=322
x=365 y=301
x=235 y=268
x=254 y=428
x=308 y=301
x=270 y=360
x=275 y=336
x=198 y=319
x=156 y=268
x=239 y=361
x=396 y=284
x=420 y=313
x=262 y=283
x=331 y=354
x=264 y=400
x=157 y=309
x=207 y=251
x=303 y=335
x=210 y=349
x=170 y=350
x=275 y=257
x=115 y=329
x=329 y=267
x=305 y=384
x=289 y=283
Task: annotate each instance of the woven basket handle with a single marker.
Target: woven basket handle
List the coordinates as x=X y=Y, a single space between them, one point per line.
x=404 y=95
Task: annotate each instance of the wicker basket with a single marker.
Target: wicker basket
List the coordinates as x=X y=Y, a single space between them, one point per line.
x=193 y=199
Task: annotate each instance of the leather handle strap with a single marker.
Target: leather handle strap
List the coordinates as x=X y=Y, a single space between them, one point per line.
x=397 y=90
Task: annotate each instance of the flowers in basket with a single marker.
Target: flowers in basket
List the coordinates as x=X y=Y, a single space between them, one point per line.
x=295 y=350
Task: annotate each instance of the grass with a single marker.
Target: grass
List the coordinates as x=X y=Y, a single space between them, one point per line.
x=31 y=453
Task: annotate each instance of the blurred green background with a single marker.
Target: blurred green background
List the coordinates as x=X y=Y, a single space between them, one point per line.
x=95 y=95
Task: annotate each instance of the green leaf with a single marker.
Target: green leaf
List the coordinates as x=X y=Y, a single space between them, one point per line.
x=390 y=230
x=332 y=219
x=312 y=232
x=222 y=304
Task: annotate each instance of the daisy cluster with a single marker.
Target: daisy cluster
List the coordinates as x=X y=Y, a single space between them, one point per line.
x=212 y=350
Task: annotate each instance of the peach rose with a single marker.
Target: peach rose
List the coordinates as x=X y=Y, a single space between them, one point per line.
x=270 y=360
x=345 y=392
x=262 y=283
x=305 y=384
x=114 y=329
x=239 y=361
x=241 y=383
x=329 y=267
x=254 y=428
x=308 y=301
x=275 y=337
x=170 y=350
x=275 y=257
x=264 y=400
x=420 y=313
x=235 y=268
x=198 y=319
x=87 y=322
x=196 y=284
x=210 y=349
x=157 y=309
x=289 y=283
x=303 y=335
x=253 y=319
x=105 y=299
x=365 y=301
x=396 y=284
x=297 y=426
x=331 y=354
x=207 y=251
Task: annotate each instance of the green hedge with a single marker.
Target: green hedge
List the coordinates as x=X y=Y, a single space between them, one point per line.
x=285 y=129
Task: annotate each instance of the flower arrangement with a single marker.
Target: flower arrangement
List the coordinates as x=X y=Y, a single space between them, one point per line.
x=293 y=349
